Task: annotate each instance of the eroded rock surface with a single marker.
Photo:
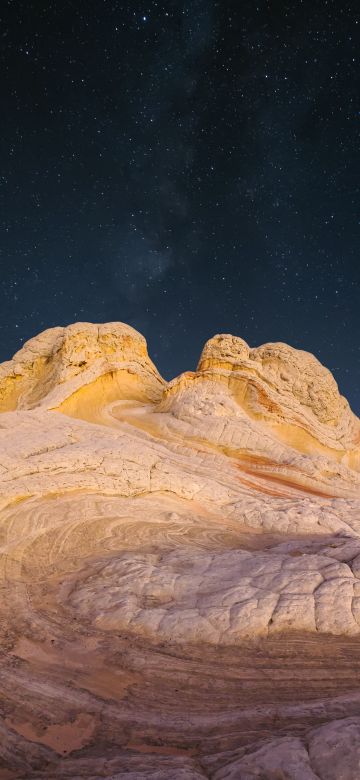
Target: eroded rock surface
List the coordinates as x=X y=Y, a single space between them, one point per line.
x=180 y=563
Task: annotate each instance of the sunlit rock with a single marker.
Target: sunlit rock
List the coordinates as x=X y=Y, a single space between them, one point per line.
x=179 y=563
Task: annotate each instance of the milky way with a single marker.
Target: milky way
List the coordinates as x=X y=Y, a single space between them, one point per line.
x=188 y=168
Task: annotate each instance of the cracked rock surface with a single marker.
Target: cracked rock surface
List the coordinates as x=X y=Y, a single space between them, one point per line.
x=179 y=563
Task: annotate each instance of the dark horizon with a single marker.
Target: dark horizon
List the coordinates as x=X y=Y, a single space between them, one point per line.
x=187 y=168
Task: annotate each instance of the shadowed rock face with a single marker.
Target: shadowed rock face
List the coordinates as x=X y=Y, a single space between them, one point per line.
x=180 y=563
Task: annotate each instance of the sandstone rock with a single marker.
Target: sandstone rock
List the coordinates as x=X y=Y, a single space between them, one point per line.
x=60 y=361
x=179 y=563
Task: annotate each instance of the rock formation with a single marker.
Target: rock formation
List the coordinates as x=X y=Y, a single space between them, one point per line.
x=180 y=563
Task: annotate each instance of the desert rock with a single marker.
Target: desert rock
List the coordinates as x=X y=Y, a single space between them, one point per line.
x=180 y=563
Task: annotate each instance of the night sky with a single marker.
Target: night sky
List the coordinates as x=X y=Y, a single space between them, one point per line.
x=186 y=167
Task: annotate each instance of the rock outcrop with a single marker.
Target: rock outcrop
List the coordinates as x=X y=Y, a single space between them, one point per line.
x=109 y=360
x=180 y=563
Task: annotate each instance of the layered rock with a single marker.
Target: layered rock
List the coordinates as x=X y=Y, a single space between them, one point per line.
x=180 y=563
x=273 y=403
x=110 y=361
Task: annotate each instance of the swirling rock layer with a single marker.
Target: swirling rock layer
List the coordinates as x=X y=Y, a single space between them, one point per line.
x=180 y=563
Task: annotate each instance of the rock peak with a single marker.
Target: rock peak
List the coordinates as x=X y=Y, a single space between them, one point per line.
x=54 y=364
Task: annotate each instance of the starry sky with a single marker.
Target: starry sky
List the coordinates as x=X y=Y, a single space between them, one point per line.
x=186 y=167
